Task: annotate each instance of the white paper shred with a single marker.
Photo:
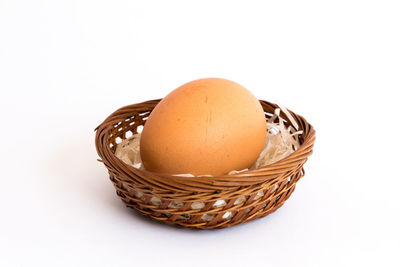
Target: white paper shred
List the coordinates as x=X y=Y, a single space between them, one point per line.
x=129 y=151
x=281 y=141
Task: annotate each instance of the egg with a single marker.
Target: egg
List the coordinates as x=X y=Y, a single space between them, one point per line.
x=208 y=126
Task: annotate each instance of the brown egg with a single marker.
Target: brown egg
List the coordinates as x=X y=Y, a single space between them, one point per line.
x=207 y=126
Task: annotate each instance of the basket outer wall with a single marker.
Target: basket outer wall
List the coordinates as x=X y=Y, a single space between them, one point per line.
x=199 y=202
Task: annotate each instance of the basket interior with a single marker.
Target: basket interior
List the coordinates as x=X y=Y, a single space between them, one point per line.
x=133 y=124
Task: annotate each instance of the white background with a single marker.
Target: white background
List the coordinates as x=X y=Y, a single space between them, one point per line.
x=66 y=65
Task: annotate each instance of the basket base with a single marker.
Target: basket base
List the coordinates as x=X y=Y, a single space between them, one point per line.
x=256 y=206
x=204 y=225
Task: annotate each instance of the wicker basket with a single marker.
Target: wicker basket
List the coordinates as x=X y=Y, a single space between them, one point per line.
x=199 y=202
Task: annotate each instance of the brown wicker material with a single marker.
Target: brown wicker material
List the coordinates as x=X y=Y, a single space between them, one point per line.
x=199 y=202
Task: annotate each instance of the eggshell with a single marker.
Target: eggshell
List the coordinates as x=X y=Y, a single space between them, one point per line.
x=207 y=126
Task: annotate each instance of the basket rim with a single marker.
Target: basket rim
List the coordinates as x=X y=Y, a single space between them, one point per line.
x=266 y=173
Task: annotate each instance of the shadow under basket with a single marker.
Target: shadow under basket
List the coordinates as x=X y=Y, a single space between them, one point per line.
x=200 y=202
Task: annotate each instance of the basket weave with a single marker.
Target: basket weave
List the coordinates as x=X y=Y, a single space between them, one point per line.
x=200 y=202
